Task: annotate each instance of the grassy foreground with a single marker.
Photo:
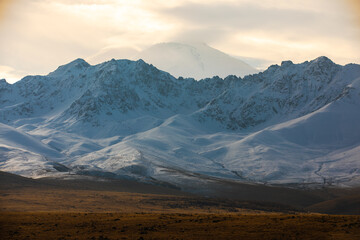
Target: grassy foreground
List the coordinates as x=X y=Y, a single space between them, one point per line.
x=121 y=209
x=66 y=225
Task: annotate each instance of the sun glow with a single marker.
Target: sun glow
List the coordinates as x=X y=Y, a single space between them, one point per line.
x=37 y=36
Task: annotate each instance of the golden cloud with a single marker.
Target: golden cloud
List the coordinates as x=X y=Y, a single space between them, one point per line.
x=4 y=4
x=355 y=8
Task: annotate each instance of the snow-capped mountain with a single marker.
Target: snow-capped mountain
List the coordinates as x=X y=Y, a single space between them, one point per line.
x=196 y=60
x=291 y=124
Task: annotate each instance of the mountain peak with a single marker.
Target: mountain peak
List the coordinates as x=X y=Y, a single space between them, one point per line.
x=286 y=63
x=76 y=64
x=3 y=83
x=79 y=62
x=141 y=62
x=322 y=60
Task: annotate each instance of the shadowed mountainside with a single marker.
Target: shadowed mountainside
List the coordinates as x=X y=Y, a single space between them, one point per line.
x=96 y=194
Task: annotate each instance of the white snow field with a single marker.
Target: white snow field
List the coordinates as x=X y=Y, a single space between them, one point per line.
x=294 y=124
x=23 y=154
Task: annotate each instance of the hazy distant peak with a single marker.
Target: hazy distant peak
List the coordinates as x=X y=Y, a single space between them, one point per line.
x=186 y=59
x=195 y=60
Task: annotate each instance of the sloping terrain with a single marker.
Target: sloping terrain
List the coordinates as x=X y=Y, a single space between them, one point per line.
x=94 y=194
x=23 y=154
x=294 y=124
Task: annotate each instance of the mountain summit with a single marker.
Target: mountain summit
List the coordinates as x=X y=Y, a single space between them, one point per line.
x=196 y=60
x=291 y=124
x=188 y=60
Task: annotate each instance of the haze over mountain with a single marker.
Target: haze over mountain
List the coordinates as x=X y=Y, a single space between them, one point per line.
x=291 y=124
x=195 y=60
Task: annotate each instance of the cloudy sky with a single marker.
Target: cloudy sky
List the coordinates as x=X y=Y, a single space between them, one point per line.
x=36 y=36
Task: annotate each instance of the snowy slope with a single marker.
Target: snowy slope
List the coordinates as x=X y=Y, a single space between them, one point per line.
x=287 y=91
x=23 y=154
x=196 y=60
x=320 y=147
x=307 y=149
x=291 y=124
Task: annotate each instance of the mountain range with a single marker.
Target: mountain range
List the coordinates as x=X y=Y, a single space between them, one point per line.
x=293 y=124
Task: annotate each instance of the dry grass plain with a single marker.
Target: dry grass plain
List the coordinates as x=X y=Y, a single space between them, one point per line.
x=82 y=209
x=60 y=225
